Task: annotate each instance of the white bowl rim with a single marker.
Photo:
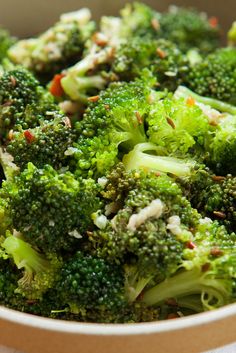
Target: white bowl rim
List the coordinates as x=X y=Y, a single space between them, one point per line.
x=71 y=327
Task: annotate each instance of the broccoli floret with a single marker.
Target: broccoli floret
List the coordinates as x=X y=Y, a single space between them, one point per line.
x=6 y=41
x=215 y=76
x=179 y=126
x=214 y=196
x=39 y=272
x=207 y=271
x=91 y=74
x=51 y=209
x=88 y=282
x=220 y=144
x=8 y=282
x=190 y=29
x=23 y=102
x=148 y=227
x=114 y=122
x=58 y=47
x=161 y=56
x=45 y=144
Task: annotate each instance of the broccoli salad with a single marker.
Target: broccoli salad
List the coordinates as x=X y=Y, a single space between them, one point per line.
x=118 y=167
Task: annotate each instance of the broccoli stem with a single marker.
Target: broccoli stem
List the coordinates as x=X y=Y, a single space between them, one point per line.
x=213 y=292
x=184 y=92
x=25 y=256
x=138 y=158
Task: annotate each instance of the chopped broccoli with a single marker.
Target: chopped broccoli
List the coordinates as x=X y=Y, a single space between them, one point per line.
x=6 y=41
x=44 y=144
x=58 y=47
x=215 y=76
x=52 y=210
x=189 y=28
x=23 y=102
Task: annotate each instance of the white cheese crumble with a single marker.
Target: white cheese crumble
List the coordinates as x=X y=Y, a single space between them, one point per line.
x=154 y=210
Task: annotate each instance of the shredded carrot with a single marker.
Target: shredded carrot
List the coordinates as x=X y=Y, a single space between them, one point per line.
x=56 y=87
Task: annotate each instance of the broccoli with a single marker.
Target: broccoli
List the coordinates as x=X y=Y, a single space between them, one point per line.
x=214 y=196
x=91 y=74
x=189 y=28
x=161 y=56
x=44 y=144
x=58 y=47
x=220 y=143
x=6 y=41
x=23 y=102
x=51 y=209
x=114 y=121
x=215 y=76
x=148 y=227
x=39 y=272
x=207 y=270
x=89 y=283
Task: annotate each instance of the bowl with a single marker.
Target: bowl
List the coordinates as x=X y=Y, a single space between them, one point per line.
x=32 y=334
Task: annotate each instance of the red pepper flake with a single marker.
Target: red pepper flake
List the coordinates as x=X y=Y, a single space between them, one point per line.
x=107 y=106
x=13 y=81
x=170 y=122
x=216 y=252
x=172 y=316
x=139 y=118
x=218 y=178
x=219 y=214
x=29 y=136
x=205 y=267
x=171 y=302
x=190 y=101
x=93 y=99
x=56 y=88
x=157 y=174
x=161 y=53
x=213 y=22
x=190 y=245
x=155 y=24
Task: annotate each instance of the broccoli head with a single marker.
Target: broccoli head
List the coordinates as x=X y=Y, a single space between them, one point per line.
x=51 y=209
x=113 y=122
x=161 y=56
x=6 y=41
x=23 y=102
x=58 y=47
x=215 y=76
x=189 y=28
x=44 y=144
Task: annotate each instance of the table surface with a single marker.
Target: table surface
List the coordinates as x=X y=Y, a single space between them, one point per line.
x=227 y=349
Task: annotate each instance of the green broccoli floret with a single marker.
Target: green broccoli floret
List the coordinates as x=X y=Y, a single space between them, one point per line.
x=161 y=56
x=215 y=76
x=179 y=126
x=207 y=271
x=6 y=41
x=39 y=272
x=8 y=283
x=45 y=144
x=87 y=282
x=221 y=143
x=114 y=122
x=91 y=74
x=214 y=196
x=189 y=28
x=51 y=209
x=58 y=47
x=23 y=102
x=148 y=227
